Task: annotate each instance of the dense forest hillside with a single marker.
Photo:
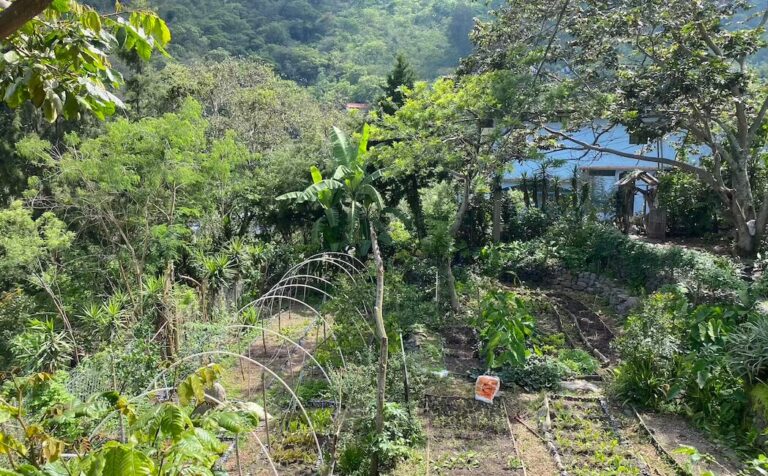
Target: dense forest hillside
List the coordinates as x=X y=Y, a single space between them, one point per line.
x=344 y=47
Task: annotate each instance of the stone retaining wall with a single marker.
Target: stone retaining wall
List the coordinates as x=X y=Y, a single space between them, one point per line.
x=583 y=281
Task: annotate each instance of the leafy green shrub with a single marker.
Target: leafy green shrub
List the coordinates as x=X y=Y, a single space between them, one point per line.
x=527 y=224
x=648 y=347
x=171 y=436
x=677 y=356
x=691 y=207
x=748 y=347
x=504 y=327
x=41 y=348
x=604 y=249
x=537 y=373
x=401 y=434
x=518 y=259
x=578 y=361
x=312 y=389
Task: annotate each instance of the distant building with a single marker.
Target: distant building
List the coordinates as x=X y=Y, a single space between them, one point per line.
x=601 y=170
x=358 y=106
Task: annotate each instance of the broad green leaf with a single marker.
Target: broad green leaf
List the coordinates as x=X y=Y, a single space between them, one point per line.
x=173 y=421
x=92 y=20
x=230 y=421
x=340 y=147
x=317 y=177
x=61 y=6
x=341 y=172
x=13 y=96
x=161 y=32
x=209 y=441
x=362 y=148
x=123 y=460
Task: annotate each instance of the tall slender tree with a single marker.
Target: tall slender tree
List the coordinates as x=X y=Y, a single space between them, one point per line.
x=350 y=192
x=401 y=76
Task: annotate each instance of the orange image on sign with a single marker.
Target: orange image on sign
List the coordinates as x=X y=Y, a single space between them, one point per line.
x=486 y=388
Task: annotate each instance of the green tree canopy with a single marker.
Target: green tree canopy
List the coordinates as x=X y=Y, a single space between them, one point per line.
x=60 y=62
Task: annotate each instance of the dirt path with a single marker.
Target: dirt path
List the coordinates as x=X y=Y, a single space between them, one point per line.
x=592 y=331
x=249 y=382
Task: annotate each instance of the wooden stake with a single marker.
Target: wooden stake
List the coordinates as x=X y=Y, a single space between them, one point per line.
x=514 y=440
x=266 y=412
x=406 y=383
x=237 y=455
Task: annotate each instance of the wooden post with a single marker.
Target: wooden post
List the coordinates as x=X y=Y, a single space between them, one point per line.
x=266 y=412
x=237 y=455
x=406 y=383
x=263 y=337
x=381 y=333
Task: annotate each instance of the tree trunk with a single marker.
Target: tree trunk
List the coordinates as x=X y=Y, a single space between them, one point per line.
x=381 y=333
x=450 y=280
x=450 y=283
x=497 y=202
x=544 y=192
x=19 y=13
x=167 y=313
x=743 y=213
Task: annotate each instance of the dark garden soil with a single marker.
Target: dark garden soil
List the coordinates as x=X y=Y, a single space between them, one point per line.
x=595 y=331
x=467 y=437
x=460 y=350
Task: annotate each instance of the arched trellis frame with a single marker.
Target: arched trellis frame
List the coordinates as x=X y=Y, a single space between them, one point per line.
x=311 y=276
x=152 y=389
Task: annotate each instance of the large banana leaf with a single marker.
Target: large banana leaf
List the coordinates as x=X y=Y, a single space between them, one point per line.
x=341 y=150
x=317 y=176
x=312 y=193
x=342 y=171
x=373 y=195
x=373 y=176
x=362 y=148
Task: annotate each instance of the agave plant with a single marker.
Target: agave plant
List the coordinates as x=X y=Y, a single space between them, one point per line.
x=40 y=348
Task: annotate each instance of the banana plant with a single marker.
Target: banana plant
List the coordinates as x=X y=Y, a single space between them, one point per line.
x=351 y=194
x=346 y=198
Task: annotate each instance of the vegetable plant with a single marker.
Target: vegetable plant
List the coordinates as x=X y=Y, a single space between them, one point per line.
x=505 y=327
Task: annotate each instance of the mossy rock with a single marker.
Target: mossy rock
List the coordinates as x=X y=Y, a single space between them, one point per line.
x=758 y=403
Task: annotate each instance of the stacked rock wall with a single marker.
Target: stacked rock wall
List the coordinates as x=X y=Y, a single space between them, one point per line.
x=583 y=281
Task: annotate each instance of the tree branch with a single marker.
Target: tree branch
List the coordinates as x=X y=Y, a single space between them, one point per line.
x=551 y=40
x=19 y=13
x=764 y=19
x=702 y=173
x=759 y=118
